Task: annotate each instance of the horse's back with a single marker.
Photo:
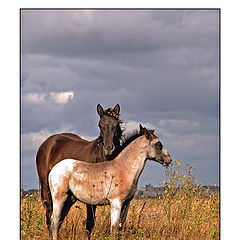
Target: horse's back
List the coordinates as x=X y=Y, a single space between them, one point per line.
x=73 y=136
x=55 y=148
x=63 y=139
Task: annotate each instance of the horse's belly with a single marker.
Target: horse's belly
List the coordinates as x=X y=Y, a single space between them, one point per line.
x=88 y=192
x=90 y=197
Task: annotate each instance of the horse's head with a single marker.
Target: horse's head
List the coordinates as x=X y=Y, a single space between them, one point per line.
x=156 y=150
x=110 y=130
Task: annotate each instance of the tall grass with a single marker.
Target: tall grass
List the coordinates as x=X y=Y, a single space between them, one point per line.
x=184 y=211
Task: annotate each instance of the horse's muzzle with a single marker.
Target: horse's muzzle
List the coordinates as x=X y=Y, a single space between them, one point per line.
x=109 y=150
x=166 y=161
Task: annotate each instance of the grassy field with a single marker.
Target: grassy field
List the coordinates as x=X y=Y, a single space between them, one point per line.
x=184 y=211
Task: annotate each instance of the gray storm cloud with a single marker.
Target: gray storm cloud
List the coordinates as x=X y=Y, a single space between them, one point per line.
x=161 y=66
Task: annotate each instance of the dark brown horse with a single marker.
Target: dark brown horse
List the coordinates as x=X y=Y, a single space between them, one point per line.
x=67 y=145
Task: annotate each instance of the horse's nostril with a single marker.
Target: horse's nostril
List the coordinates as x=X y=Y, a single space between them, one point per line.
x=109 y=148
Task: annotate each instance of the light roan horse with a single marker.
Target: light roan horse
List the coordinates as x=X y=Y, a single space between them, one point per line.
x=114 y=182
x=67 y=145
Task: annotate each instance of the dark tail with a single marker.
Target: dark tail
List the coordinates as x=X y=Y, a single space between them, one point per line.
x=47 y=202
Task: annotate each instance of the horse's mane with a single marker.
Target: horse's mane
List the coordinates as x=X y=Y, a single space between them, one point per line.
x=130 y=137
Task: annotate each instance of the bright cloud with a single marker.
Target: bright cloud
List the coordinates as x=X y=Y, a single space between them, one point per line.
x=62 y=97
x=35 y=98
x=55 y=97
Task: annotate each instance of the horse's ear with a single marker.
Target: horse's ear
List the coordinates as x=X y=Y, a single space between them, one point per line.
x=99 y=110
x=151 y=131
x=116 y=109
x=147 y=134
x=142 y=129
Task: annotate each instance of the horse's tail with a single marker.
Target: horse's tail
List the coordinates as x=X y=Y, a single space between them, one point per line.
x=42 y=161
x=47 y=202
x=46 y=196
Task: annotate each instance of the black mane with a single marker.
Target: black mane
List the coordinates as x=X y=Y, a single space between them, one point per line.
x=130 y=137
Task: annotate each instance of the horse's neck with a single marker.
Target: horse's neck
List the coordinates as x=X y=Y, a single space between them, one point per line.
x=116 y=142
x=133 y=157
x=96 y=150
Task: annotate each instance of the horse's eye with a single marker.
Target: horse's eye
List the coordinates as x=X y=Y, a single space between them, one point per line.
x=159 y=145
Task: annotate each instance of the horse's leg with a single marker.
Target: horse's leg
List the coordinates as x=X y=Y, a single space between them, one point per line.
x=124 y=212
x=90 y=219
x=116 y=206
x=56 y=216
x=67 y=205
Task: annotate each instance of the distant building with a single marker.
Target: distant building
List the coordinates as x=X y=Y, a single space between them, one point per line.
x=152 y=192
x=149 y=191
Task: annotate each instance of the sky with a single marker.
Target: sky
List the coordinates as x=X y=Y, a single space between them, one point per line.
x=161 y=66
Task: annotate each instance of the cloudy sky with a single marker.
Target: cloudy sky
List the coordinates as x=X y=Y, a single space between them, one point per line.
x=161 y=66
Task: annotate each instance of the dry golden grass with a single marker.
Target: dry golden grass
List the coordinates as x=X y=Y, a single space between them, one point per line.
x=184 y=211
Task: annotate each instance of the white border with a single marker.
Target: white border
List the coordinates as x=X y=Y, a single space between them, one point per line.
x=230 y=162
